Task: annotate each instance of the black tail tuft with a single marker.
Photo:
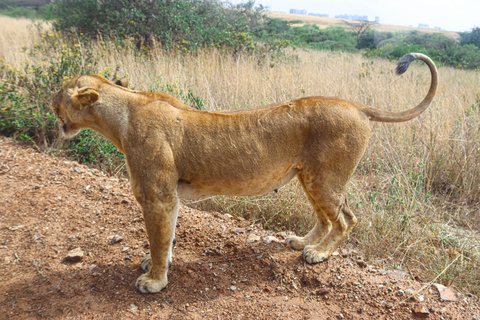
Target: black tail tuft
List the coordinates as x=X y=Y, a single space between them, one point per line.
x=404 y=63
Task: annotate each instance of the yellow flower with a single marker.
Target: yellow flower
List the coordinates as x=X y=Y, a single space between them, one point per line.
x=65 y=78
x=50 y=35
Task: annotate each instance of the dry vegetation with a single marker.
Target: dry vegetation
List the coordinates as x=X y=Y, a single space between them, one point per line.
x=417 y=189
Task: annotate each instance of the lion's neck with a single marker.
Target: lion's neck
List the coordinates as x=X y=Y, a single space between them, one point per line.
x=111 y=121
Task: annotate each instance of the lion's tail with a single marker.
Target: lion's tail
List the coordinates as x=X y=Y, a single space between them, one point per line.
x=387 y=116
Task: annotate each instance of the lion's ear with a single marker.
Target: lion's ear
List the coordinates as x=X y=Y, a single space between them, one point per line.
x=122 y=82
x=86 y=97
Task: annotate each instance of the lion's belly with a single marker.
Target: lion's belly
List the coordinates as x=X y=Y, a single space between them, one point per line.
x=249 y=187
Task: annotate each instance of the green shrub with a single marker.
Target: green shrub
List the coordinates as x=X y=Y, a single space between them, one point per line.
x=188 y=25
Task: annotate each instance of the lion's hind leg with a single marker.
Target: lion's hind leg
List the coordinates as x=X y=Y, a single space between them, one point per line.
x=326 y=191
x=343 y=221
x=320 y=230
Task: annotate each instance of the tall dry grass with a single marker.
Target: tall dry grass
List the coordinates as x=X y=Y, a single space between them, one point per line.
x=417 y=189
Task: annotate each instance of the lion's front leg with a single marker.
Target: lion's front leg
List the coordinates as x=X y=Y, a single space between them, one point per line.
x=156 y=192
x=146 y=262
x=160 y=217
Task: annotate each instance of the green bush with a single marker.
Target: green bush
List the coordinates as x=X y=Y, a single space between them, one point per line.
x=182 y=24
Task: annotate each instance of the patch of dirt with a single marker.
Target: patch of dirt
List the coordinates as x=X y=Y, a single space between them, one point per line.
x=50 y=206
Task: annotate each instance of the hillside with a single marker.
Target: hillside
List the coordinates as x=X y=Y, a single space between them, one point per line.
x=325 y=22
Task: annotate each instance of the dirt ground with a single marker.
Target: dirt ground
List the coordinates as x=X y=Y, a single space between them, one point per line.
x=223 y=268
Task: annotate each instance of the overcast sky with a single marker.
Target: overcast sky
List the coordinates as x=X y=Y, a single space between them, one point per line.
x=452 y=15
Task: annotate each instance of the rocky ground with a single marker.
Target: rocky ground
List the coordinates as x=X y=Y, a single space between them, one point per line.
x=71 y=240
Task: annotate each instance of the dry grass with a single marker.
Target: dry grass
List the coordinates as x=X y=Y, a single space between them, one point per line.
x=417 y=189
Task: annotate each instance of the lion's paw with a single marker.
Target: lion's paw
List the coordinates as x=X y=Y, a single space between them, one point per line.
x=296 y=243
x=148 y=285
x=312 y=256
x=146 y=262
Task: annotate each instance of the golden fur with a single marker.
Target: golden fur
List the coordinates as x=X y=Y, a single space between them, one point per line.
x=174 y=151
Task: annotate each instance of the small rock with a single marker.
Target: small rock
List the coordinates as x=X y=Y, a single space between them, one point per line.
x=253 y=238
x=38 y=236
x=93 y=269
x=361 y=263
x=227 y=216
x=322 y=292
x=72 y=238
x=238 y=231
x=125 y=201
x=233 y=288
x=409 y=292
x=20 y=226
x=116 y=239
x=445 y=293
x=125 y=249
x=270 y=239
x=340 y=316
x=400 y=293
x=421 y=298
x=397 y=274
x=75 y=255
x=75 y=169
x=133 y=308
x=420 y=309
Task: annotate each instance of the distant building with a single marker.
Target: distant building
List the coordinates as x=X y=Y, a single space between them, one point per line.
x=296 y=11
x=437 y=28
x=352 y=17
x=423 y=25
x=377 y=19
x=319 y=15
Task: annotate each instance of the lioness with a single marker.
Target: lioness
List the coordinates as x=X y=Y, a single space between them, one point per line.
x=174 y=151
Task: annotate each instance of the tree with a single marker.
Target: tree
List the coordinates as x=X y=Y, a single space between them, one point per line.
x=358 y=27
x=472 y=37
